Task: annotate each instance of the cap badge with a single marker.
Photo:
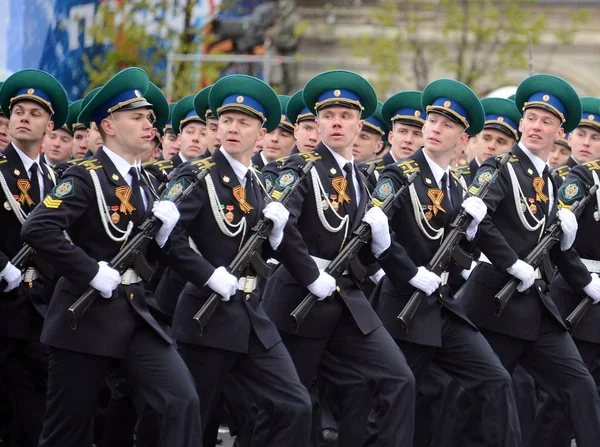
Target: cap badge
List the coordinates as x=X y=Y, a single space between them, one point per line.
x=546 y=98
x=447 y=104
x=336 y=93
x=30 y=91
x=239 y=99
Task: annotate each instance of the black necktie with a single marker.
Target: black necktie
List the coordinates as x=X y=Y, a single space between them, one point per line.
x=136 y=194
x=351 y=206
x=34 y=189
x=546 y=190
x=447 y=191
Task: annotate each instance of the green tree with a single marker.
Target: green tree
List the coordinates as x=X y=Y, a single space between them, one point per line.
x=470 y=40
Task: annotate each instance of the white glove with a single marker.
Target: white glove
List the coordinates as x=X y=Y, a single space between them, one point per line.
x=426 y=281
x=523 y=271
x=593 y=288
x=12 y=276
x=279 y=215
x=106 y=280
x=466 y=273
x=475 y=208
x=380 y=230
x=568 y=225
x=376 y=277
x=323 y=286
x=223 y=283
x=167 y=212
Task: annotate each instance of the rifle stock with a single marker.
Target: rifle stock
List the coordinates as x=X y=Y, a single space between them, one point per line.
x=125 y=257
x=573 y=320
x=336 y=267
x=247 y=254
x=449 y=249
x=553 y=233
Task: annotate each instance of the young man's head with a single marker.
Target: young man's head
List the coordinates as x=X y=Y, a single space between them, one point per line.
x=129 y=131
x=190 y=128
x=550 y=108
x=247 y=109
x=339 y=99
x=560 y=153
x=500 y=130
x=57 y=145
x=453 y=112
x=407 y=116
x=305 y=129
x=35 y=104
x=93 y=138
x=585 y=139
x=212 y=133
x=4 y=136
x=369 y=141
x=79 y=146
x=279 y=142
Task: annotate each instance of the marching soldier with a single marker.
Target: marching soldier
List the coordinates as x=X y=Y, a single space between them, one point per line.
x=521 y=204
x=170 y=145
x=371 y=138
x=239 y=342
x=324 y=210
x=441 y=333
x=202 y=107
x=57 y=145
x=35 y=102
x=99 y=203
x=584 y=140
x=305 y=130
x=279 y=143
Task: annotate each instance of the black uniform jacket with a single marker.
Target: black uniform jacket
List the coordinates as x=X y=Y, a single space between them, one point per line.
x=108 y=325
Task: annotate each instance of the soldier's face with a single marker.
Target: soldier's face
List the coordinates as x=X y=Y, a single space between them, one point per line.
x=79 y=144
x=559 y=154
x=170 y=145
x=58 y=145
x=539 y=129
x=441 y=135
x=212 y=136
x=93 y=138
x=405 y=140
x=4 y=137
x=338 y=126
x=192 y=140
x=239 y=132
x=132 y=130
x=585 y=144
x=492 y=142
x=278 y=143
x=365 y=146
x=306 y=134
x=29 y=121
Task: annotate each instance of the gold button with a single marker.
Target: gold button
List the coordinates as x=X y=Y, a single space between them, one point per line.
x=131 y=296
x=247 y=296
x=338 y=289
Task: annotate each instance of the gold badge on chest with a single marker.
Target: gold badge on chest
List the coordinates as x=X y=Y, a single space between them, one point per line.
x=229 y=213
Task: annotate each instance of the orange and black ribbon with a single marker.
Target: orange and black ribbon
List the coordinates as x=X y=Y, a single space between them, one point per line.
x=24 y=186
x=239 y=192
x=538 y=186
x=123 y=193
x=339 y=184
x=436 y=196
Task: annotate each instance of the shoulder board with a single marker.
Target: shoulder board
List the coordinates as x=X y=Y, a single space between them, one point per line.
x=510 y=160
x=462 y=170
x=75 y=161
x=203 y=163
x=408 y=166
x=563 y=170
x=376 y=161
x=91 y=164
x=309 y=156
x=593 y=165
x=282 y=160
x=2 y=161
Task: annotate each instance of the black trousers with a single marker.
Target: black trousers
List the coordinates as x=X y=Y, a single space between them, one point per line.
x=151 y=366
x=375 y=357
x=24 y=369
x=553 y=420
x=467 y=357
x=269 y=377
x=556 y=365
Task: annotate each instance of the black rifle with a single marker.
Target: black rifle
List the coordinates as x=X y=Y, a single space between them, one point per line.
x=360 y=237
x=249 y=254
x=129 y=255
x=536 y=256
x=450 y=249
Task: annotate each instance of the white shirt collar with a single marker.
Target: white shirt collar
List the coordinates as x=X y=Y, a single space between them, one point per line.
x=239 y=169
x=539 y=164
x=120 y=163
x=341 y=161
x=183 y=159
x=27 y=162
x=436 y=169
x=262 y=157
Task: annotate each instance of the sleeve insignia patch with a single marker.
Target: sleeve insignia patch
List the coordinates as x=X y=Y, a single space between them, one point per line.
x=384 y=189
x=175 y=189
x=569 y=193
x=51 y=203
x=483 y=176
x=64 y=189
x=286 y=179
